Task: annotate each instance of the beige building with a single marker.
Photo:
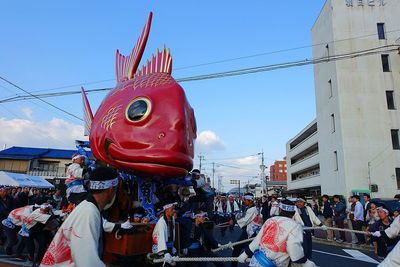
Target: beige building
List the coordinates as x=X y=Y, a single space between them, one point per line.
x=47 y=162
x=356 y=143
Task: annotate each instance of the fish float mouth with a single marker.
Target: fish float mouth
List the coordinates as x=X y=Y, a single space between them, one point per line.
x=149 y=160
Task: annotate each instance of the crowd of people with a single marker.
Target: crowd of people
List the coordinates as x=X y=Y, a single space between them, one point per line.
x=68 y=226
x=30 y=215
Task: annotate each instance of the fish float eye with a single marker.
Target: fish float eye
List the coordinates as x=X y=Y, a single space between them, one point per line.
x=138 y=109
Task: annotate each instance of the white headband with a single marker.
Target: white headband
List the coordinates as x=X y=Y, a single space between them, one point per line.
x=248 y=197
x=384 y=210
x=97 y=185
x=170 y=205
x=200 y=215
x=285 y=207
x=301 y=199
x=78 y=157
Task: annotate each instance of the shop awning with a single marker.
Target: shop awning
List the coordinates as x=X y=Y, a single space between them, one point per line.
x=21 y=180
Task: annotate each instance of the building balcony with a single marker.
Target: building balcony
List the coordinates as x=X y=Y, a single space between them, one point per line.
x=48 y=174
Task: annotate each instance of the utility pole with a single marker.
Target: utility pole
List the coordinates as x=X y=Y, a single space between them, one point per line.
x=369 y=178
x=213 y=170
x=262 y=167
x=201 y=158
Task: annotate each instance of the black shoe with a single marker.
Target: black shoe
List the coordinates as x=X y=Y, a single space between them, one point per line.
x=8 y=251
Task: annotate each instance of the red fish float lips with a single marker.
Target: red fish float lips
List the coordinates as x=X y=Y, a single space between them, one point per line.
x=166 y=162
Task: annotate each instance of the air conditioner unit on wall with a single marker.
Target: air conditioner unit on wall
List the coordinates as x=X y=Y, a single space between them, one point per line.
x=374 y=188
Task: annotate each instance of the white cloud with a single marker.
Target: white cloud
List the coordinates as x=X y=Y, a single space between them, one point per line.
x=208 y=141
x=250 y=160
x=55 y=133
x=27 y=112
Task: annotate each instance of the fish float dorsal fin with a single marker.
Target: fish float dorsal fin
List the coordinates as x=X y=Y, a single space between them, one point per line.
x=126 y=66
x=161 y=62
x=87 y=113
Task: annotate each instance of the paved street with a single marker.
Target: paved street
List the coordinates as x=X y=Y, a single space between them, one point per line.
x=324 y=255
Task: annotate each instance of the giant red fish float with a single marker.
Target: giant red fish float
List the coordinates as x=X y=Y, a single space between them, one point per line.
x=145 y=125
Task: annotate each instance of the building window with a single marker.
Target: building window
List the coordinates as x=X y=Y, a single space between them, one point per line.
x=336 y=164
x=330 y=88
x=381 y=31
x=390 y=99
x=333 y=123
x=385 y=63
x=398 y=177
x=395 y=138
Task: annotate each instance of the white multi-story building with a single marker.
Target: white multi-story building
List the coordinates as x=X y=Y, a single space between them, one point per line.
x=357 y=102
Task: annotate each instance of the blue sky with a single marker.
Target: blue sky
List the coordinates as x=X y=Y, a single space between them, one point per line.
x=46 y=45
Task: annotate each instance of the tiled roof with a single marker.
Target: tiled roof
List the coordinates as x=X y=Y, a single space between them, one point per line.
x=17 y=152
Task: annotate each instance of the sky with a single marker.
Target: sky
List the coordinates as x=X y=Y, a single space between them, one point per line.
x=52 y=46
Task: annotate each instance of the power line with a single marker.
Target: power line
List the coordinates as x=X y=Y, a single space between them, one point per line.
x=265 y=68
x=277 y=51
x=34 y=96
x=222 y=61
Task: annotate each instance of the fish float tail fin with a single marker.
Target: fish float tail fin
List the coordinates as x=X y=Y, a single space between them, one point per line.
x=161 y=62
x=87 y=113
x=126 y=66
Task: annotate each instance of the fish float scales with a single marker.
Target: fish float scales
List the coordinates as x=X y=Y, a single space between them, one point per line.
x=145 y=124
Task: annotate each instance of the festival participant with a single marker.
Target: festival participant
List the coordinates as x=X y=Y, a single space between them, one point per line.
x=164 y=234
x=224 y=215
x=32 y=230
x=383 y=245
x=12 y=224
x=233 y=209
x=78 y=242
x=279 y=242
x=305 y=216
x=243 y=220
x=76 y=191
x=201 y=241
x=393 y=258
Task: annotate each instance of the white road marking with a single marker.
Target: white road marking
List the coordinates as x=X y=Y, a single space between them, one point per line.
x=346 y=257
x=20 y=263
x=359 y=255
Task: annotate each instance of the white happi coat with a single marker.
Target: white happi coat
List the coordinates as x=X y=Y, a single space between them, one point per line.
x=73 y=173
x=393 y=259
x=76 y=242
x=18 y=215
x=274 y=209
x=235 y=207
x=30 y=221
x=313 y=218
x=160 y=235
x=249 y=216
x=280 y=239
x=228 y=207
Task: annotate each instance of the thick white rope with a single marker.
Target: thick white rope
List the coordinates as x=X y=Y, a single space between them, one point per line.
x=336 y=229
x=210 y=259
x=231 y=245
